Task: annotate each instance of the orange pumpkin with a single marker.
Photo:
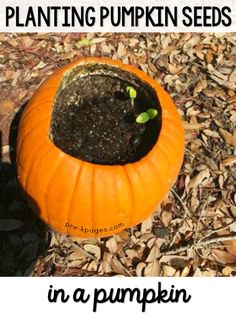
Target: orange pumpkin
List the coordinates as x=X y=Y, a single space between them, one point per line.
x=86 y=199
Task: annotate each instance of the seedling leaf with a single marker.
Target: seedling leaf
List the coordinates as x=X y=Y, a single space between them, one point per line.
x=142 y=118
x=152 y=113
x=131 y=91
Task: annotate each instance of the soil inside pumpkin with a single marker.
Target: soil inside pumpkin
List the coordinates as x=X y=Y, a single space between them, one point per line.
x=94 y=120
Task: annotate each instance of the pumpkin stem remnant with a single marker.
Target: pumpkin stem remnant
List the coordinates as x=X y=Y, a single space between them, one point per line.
x=132 y=93
x=144 y=117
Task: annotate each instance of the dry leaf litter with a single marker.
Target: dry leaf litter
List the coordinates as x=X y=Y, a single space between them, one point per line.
x=193 y=232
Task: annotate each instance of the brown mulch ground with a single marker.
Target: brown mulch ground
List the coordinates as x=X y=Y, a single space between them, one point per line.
x=193 y=232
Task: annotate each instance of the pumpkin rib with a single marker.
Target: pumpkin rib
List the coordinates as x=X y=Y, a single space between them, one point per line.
x=135 y=171
x=92 y=196
x=167 y=142
x=25 y=140
x=29 y=172
x=127 y=195
x=24 y=180
x=73 y=192
x=172 y=121
x=51 y=86
x=59 y=161
x=30 y=156
x=167 y=121
x=40 y=165
x=167 y=134
x=119 y=208
x=162 y=150
x=153 y=168
x=31 y=131
x=38 y=122
x=131 y=190
x=31 y=109
x=169 y=124
x=81 y=202
x=60 y=193
x=159 y=150
x=159 y=174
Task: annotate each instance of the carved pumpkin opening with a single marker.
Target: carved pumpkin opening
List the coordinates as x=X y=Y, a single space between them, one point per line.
x=94 y=119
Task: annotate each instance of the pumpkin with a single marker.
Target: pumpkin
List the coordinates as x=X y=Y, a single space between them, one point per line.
x=86 y=199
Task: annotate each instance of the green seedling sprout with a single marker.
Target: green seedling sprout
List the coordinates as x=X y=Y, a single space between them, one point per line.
x=132 y=93
x=144 y=117
x=152 y=113
x=84 y=42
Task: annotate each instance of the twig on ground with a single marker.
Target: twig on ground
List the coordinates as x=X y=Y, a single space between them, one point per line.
x=186 y=210
x=200 y=244
x=216 y=239
x=197 y=232
x=218 y=230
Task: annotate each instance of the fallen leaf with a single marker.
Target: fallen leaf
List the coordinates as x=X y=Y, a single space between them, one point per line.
x=202 y=84
x=140 y=268
x=27 y=41
x=40 y=65
x=13 y=42
x=106 y=262
x=168 y=271
x=185 y=271
x=133 y=42
x=111 y=244
x=166 y=217
x=131 y=253
x=230 y=139
x=196 y=126
x=229 y=161
x=211 y=133
x=227 y=271
x=197 y=180
x=209 y=56
x=230 y=246
x=93 y=48
x=146 y=225
x=154 y=253
x=6 y=149
x=93 y=266
x=117 y=266
x=174 y=69
x=93 y=249
x=232 y=77
x=120 y=50
x=204 y=273
x=77 y=254
x=192 y=42
x=223 y=256
x=98 y=40
x=152 y=269
x=105 y=48
x=6 y=106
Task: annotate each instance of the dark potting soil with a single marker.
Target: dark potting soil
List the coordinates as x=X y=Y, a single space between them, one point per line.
x=94 y=120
